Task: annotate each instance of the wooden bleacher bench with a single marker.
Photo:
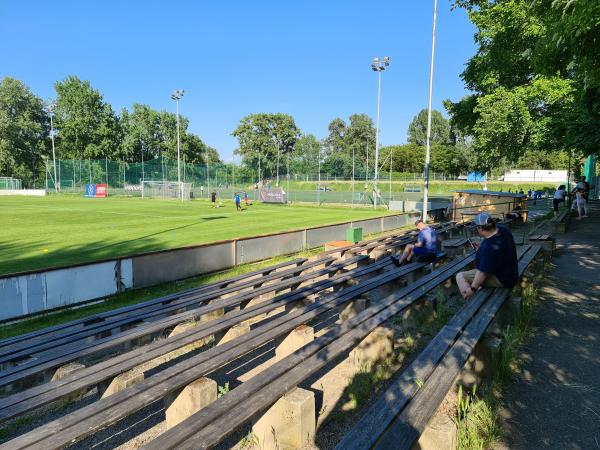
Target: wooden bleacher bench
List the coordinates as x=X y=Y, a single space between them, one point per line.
x=561 y=221
x=104 y=412
x=401 y=413
x=148 y=352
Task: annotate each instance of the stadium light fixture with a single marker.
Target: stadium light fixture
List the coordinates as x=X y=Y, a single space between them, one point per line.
x=50 y=108
x=177 y=95
x=378 y=66
x=428 y=145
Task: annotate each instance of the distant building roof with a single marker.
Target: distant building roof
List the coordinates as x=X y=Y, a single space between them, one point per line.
x=492 y=193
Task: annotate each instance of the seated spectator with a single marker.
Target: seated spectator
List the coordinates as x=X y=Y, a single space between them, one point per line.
x=425 y=249
x=496 y=262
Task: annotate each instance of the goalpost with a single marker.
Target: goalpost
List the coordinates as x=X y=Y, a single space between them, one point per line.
x=10 y=183
x=165 y=189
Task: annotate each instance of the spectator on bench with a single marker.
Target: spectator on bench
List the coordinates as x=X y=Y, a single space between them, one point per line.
x=426 y=248
x=496 y=259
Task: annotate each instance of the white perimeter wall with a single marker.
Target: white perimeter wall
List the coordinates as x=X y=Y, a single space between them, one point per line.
x=31 y=192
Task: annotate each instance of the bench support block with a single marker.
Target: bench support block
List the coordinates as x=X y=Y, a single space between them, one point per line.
x=192 y=398
x=375 y=348
x=440 y=434
x=67 y=370
x=352 y=309
x=120 y=382
x=482 y=363
x=289 y=423
x=234 y=332
x=298 y=338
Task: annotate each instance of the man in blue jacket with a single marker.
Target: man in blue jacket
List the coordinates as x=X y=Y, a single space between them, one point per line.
x=496 y=263
x=425 y=249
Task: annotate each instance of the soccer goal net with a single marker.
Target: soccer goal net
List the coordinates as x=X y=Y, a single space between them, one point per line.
x=10 y=183
x=166 y=189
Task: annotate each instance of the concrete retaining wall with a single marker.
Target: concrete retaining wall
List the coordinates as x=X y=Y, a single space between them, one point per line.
x=33 y=292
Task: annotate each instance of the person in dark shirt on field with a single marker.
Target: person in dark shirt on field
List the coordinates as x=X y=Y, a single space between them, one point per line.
x=425 y=249
x=496 y=259
x=238 y=202
x=213 y=199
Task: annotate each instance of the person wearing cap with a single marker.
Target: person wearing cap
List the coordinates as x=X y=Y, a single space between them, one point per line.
x=496 y=263
x=425 y=249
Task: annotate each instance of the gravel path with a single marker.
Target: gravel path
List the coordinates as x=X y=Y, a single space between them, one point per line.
x=555 y=399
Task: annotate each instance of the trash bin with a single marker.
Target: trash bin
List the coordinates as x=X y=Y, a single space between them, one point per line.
x=354 y=235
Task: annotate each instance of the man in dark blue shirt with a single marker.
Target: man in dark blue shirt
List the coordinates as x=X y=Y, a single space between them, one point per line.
x=425 y=249
x=496 y=259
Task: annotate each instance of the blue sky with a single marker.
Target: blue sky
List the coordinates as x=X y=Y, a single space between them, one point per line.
x=310 y=59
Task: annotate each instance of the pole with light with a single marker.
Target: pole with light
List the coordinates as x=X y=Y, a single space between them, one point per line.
x=176 y=95
x=51 y=107
x=427 y=146
x=378 y=65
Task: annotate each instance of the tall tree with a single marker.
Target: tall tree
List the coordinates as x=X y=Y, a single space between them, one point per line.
x=535 y=78
x=263 y=138
x=440 y=128
x=24 y=129
x=87 y=126
x=305 y=156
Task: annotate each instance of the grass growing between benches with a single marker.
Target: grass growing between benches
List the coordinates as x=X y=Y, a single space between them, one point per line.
x=140 y=295
x=476 y=415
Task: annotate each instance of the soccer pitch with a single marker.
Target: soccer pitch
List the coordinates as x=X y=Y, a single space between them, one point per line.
x=40 y=232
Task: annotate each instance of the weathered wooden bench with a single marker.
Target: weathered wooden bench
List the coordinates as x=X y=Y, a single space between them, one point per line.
x=560 y=223
x=215 y=422
x=399 y=415
x=51 y=355
x=121 y=404
x=91 y=376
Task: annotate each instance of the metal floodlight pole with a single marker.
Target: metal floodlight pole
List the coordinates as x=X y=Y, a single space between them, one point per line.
x=207 y=176
x=176 y=95
x=378 y=66
x=427 y=147
x=277 y=143
x=319 y=180
x=51 y=107
x=353 y=177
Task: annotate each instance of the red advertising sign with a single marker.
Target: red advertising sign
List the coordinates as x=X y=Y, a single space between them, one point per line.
x=101 y=190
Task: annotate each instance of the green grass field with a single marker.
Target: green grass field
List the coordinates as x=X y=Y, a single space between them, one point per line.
x=40 y=232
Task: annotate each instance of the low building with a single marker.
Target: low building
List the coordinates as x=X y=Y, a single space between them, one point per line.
x=533 y=176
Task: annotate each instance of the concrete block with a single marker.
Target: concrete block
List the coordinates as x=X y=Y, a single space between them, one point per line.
x=298 y=338
x=482 y=363
x=234 y=332
x=67 y=370
x=440 y=434
x=189 y=400
x=352 y=309
x=289 y=423
x=120 y=382
x=375 y=348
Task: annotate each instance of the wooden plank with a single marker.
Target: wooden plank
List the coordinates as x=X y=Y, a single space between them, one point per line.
x=106 y=411
x=40 y=395
x=404 y=431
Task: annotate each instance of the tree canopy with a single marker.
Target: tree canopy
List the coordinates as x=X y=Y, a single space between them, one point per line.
x=440 y=128
x=24 y=131
x=535 y=77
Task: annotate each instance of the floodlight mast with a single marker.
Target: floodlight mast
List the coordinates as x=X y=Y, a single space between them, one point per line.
x=378 y=66
x=50 y=108
x=176 y=95
x=427 y=146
